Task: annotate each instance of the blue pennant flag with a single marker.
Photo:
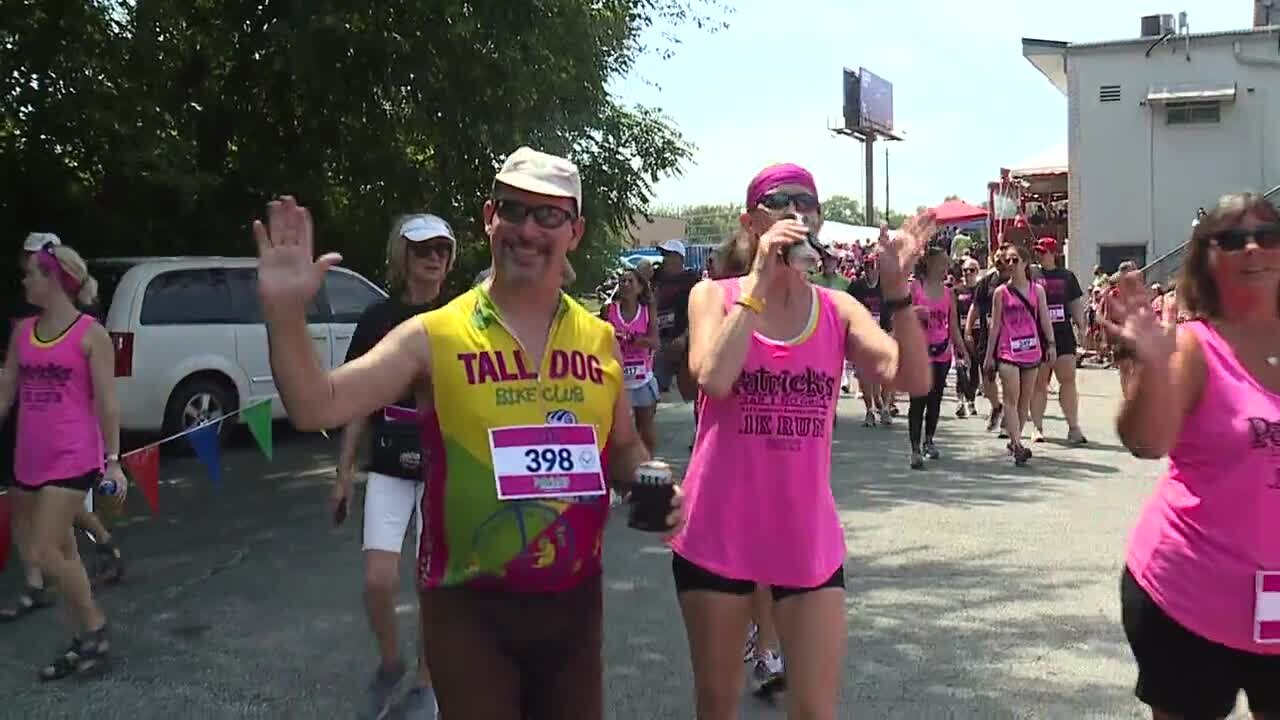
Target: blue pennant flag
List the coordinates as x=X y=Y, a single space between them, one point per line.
x=204 y=440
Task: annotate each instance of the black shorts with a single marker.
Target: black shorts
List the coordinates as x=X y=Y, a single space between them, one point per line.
x=689 y=576
x=1186 y=675
x=1064 y=339
x=81 y=483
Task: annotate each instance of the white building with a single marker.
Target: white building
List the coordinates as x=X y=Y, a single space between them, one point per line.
x=1158 y=127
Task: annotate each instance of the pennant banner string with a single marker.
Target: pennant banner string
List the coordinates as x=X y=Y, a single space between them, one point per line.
x=201 y=426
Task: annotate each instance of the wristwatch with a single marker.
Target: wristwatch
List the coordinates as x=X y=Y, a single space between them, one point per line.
x=113 y=458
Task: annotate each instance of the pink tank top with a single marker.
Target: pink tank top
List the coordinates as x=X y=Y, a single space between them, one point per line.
x=1214 y=520
x=935 y=316
x=1019 y=339
x=637 y=361
x=758 y=502
x=58 y=434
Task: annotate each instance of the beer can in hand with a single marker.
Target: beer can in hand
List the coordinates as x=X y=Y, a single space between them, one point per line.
x=651 y=496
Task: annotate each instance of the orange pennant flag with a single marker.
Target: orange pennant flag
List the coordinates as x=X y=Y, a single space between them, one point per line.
x=5 y=526
x=144 y=469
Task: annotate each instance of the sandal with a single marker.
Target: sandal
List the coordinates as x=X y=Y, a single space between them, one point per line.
x=31 y=600
x=109 y=569
x=88 y=655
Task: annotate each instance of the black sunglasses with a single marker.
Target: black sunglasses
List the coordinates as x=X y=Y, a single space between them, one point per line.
x=775 y=201
x=425 y=249
x=547 y=217
x=1235 y=239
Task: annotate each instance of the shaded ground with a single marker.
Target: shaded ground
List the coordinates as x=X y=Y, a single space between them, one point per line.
x=977 y=589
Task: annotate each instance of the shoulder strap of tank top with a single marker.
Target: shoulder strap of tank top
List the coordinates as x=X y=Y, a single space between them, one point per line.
x=731 y=290
x=1023 y=298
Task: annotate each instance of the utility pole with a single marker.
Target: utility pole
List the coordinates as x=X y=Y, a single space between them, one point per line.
x=868 y=145
x=886 y=183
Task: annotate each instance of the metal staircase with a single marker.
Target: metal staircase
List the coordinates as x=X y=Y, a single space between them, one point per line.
x=1164 y=269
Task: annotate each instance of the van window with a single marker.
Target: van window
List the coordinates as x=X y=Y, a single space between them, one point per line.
x=348 y=296
x=244 y=290
x=188 y=297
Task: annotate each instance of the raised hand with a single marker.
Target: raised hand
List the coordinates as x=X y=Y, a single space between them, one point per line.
x=899 y=254
x=1130 y=318
x=288 y=276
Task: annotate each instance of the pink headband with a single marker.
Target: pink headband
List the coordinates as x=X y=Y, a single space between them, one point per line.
x=52 y=267
x=775 y=176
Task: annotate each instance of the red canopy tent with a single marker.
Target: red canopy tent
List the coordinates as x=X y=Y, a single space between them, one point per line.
x=954 y=212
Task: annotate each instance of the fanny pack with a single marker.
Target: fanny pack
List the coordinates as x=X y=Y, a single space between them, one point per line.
x=937 y=349
x=397 y=444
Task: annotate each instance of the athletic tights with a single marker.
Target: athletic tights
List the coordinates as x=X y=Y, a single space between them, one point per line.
x=968 y=378
x=925 y=410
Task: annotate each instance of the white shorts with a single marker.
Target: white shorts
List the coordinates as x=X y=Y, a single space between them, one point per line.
x=390 y=503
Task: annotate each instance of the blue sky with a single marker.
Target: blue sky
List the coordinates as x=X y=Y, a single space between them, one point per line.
x=766 y=88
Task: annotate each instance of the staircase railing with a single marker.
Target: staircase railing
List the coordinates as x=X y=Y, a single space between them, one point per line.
x=1164 y=269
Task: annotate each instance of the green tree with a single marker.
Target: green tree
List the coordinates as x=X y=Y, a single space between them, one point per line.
x=842 y=208
x=163 y=126
x=705 y=224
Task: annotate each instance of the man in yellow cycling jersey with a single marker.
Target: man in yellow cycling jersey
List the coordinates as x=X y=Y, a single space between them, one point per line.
x=531 y=421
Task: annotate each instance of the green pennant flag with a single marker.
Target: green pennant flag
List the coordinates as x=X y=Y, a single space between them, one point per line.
x=258 y=418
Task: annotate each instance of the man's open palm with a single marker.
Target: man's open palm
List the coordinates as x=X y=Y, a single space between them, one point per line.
x=288 y=273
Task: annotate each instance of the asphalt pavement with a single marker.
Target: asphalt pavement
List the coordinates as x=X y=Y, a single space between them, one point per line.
x=976 y=589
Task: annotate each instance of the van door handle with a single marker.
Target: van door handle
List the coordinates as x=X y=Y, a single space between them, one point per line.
x=319 y=337
x=342 y=337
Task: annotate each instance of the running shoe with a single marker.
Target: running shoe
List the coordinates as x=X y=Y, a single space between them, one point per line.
x=1037 y=435
x=1076 y=437
x=993 y=422
x=419 y=704
x=380 y=691
x=893 y=410
x=870 y=419
x=886 y=418
x=917 y=461
x=931 y=450
x=768 y=676
x=973 y=411
x=961 y=411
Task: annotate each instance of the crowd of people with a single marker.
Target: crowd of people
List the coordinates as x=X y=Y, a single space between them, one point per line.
x=550 y=412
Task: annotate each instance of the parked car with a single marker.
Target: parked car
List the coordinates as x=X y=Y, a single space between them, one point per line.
x=190 y=341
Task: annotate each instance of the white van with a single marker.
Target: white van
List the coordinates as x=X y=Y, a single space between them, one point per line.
x=190 y=341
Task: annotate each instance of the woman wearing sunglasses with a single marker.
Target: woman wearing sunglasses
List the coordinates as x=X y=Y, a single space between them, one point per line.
x=767 y=350
x=1201 y=590
x=1023 y=341
x=420 y=252
x=62 y=363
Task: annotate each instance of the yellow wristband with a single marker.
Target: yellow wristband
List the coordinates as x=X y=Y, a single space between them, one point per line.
x=755 y=305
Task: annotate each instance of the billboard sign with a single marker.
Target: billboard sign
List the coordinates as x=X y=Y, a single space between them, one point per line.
x=875 y=100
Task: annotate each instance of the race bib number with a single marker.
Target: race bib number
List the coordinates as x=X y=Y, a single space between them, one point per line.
x=666 y=320
x=1057 y=313
x=634 y=371
x=1024 y=344
x=1266 y=615
x=546 y=461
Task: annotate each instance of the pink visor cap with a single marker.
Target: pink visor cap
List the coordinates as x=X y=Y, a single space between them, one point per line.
x=775 y=176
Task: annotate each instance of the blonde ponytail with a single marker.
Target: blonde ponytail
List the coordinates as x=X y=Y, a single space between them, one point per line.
x=75 y=266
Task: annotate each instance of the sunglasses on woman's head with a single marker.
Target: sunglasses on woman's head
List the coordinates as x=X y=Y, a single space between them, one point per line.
x=1266 y=236
x=775 y=201
x=547 y=217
